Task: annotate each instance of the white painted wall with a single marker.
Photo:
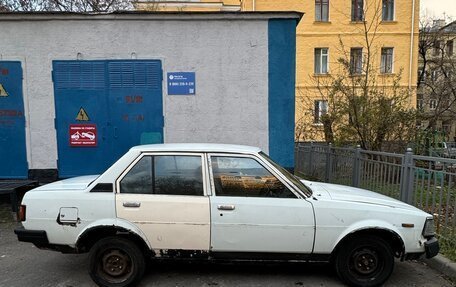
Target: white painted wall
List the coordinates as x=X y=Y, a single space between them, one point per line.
x=230 y=58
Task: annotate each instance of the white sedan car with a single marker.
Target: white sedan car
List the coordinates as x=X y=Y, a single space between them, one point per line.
x=211 y=201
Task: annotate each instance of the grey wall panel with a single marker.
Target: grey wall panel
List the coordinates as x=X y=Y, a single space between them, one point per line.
x=230 y=59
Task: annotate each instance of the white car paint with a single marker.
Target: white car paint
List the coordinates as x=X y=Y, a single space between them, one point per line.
x=169 y=222
x=262 y=224
x=341 y=210
x=254 y=225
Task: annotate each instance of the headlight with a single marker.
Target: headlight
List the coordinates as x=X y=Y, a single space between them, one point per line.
x=429 y=230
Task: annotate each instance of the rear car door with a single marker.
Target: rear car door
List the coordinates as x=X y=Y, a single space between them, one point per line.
x=165 y=196
x=253 y=211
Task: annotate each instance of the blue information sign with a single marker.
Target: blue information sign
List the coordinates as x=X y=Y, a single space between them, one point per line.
x=181 y=83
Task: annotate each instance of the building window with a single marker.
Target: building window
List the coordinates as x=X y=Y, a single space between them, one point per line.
x=449 y=47
x=320 y=109
x=357 y=10
x=433 y=104
x=322 y=10
x=419 y=102
x=386 y=66
x=437 y=47
x=388 y=10
x=434 y=75
x=421 y=76
x=321 y=61
x=356 y=61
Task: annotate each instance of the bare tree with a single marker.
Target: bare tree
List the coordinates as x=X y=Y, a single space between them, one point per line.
x=65 y=5
x=362 y=106
x=437 y=68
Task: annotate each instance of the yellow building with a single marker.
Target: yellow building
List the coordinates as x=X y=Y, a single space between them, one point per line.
x=331 y=30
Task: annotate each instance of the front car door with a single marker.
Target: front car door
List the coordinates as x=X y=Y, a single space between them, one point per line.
x=164 y=194
x=255 y=211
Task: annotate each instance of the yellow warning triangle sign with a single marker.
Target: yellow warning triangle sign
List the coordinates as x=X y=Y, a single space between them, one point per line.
x=82 y=115
x=3 y=92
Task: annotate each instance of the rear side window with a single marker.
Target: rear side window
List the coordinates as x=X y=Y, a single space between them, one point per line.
x=245 y=177
x=167 y=174
x=139 y=178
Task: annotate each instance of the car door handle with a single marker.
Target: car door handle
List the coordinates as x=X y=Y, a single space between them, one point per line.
x=225 y=207
x=132 y=204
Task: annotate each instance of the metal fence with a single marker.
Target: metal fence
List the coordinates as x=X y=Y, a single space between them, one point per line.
x=428 y=183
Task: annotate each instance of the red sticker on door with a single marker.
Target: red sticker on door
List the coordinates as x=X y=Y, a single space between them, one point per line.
x=83 y=135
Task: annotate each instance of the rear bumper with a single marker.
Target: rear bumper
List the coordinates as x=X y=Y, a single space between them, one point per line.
x=431 y=247
x=37 y=237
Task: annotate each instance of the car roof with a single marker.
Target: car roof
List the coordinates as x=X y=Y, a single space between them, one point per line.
x=198 y=147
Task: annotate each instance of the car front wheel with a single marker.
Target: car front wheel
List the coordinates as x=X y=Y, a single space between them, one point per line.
x=116 y=262
x=364 y=261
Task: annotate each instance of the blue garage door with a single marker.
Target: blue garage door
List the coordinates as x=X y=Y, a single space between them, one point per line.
x=12 y=122
x=102 y=109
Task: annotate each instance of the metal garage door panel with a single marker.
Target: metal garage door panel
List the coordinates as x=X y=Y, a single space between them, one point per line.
x=12 y=122
x=81 y=85
x=122 y=98
x=136 y=107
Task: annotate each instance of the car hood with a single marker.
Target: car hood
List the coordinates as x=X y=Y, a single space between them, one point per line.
x=75 y=183
x=353 y=194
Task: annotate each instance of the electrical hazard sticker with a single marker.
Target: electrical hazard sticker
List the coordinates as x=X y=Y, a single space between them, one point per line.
x=82 y=115
x=3 y=92
x=83 y=135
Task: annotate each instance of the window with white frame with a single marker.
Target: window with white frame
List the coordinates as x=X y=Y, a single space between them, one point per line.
x=356 y=61
x=386 y=66
x=357 y=11
x=320 y=109
x=434 y=75
x=419 y=102
x=433 y=104
x=322 y=10
x=388 y=10
x=321 y=61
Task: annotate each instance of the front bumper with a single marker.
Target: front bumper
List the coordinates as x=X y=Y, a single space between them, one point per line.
x=37 y=237
x=431 y=247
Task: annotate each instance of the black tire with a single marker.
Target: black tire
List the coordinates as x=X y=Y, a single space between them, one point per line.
x=365 y=261
x=116 y=262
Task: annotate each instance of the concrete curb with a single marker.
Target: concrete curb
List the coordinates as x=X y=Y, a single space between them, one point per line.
x=443 y=265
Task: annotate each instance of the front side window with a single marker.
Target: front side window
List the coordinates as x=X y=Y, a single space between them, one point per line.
x=357 y=13
x=245 y=177
x=386 y=66
x=356 y=61
x=388 y=10
x=321 y=60
x=322 y=10
x=320 y=109
x=165 y=174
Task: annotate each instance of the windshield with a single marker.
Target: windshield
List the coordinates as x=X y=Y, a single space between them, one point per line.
x=291 y=177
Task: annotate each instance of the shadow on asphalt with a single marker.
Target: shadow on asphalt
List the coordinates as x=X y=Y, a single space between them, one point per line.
x=247 y=269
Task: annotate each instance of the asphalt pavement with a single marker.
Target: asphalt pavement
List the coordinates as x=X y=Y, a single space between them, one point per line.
x=22 y=264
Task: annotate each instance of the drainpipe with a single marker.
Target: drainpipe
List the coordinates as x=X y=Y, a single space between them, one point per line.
x=412 y=35
x=253 y=5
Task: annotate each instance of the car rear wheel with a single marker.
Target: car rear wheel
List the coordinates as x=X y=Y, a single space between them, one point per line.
x=116 y=262
x=364 y=261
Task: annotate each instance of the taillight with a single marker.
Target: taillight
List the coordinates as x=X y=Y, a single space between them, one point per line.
x=21 y=214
